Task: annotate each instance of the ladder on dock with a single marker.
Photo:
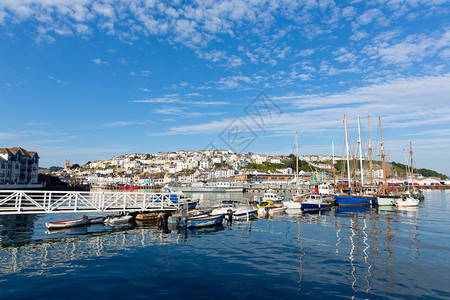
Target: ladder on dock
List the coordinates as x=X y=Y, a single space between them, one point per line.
x=43 y=202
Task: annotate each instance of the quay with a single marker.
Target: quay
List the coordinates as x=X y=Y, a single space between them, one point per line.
x=37 y=202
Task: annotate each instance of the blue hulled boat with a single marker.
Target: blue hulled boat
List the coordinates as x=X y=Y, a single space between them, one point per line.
x=313 y=202
x=203 y=221
x=354 y=199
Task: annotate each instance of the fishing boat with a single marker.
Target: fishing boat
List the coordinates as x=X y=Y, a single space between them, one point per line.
x=405 y=201
x=245 y=213
x=237 y=209
x=270 y=207
x=387 y=200
x=271 y=196
x=67 y=224
x=325 y=189
x=202 y=221
x=312 y=202
x=119 y=219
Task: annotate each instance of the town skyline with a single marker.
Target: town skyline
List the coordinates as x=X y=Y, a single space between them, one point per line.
x=88 y=80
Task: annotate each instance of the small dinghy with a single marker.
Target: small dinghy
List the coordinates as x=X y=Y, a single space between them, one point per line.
x=67 y=224
x=115 y=220
x=204 y=221
x=96 y=220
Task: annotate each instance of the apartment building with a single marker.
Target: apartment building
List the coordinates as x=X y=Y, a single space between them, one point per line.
x=18 y=166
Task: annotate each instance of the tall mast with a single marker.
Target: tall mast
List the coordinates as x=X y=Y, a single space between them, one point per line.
x=354 y=164
x=348 y=162
x=382 y=155
x=334 y=169
x=360 y=154
x=370 y=154
x=412 y=169
x=296 y=170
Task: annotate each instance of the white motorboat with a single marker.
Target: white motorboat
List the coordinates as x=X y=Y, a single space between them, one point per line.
x=407 y=201
x=115 y=220
x=271 y=196
x=237 y=209
x=271 y=208
x=313 y=202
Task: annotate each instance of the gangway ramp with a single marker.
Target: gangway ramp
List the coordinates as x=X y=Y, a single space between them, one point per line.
x=37 y=202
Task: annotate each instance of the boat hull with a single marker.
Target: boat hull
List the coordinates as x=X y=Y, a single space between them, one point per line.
x=353 y=200
x=407 y=202
x=245 y=214
x=292 y=204
x=204 y=221
x=386 y=201
x=312 y=206
x=118 y=220
x=67 y=224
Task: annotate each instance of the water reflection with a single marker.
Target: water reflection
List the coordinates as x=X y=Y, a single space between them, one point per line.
x=16 y=229
x=363 y=252
x=80 y=245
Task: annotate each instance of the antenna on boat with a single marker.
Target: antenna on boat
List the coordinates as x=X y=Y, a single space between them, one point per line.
x=384 y=162
x=412 y=168
x=370 y=153
x=360 y=154
x=334 y=170
x=296 y=170
x=348 y=162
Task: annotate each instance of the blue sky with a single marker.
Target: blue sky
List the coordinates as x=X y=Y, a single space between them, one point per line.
x=87 y=80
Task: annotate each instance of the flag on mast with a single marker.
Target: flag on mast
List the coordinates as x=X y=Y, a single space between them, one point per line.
x=343 y=121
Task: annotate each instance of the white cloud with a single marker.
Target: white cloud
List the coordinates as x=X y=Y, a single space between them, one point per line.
x=98 y=61
x=175 y=99
x=123 y=123
x=403 y=103
x=222 y=57
x=413 y=48
x=183 y=112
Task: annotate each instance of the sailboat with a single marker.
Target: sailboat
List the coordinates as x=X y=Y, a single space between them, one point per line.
x=295 y=202
x=414 y=193
x=406 y=198
x=354 y=199
x=385 y=199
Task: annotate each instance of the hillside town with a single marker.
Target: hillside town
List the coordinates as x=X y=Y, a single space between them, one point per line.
x=19 y=169
x=213 y=167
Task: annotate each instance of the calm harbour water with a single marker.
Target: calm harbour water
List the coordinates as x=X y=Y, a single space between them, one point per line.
x=361 y=252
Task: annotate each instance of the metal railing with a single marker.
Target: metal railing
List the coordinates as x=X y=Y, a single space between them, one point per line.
x=35 y=202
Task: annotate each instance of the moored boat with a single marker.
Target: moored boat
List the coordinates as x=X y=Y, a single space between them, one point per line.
x=270 y=207
x=150 y=216
x=354 y=199
x=237 y=209
x=313 y=202
x=114 y=220
x=271 y=196
x=406 y=201
x=96 y=220
x=245 y=213
x=202 y=221
x=67 y=224
x=386 y=200
x=293 y=204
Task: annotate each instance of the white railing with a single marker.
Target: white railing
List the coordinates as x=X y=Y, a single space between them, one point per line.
x=34 y=202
